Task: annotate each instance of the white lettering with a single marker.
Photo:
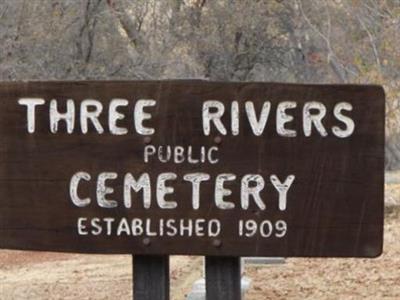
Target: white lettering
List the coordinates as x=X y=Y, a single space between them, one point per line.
x=337 y=112
x=282 y=118
x=73 y=189
x=214 y=117
x=141 y=116
x=93 y=115
x=56 y=116
x=102 y=190
x=316 y=119
x=282 y=189
x=163 y=190
x=114 y=116
x=31 y=104
x=258 y=125
x=142 y=183
x=221 y=192
x=254 y=191
x=196 y=179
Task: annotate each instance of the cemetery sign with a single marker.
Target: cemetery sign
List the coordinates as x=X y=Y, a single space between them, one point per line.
x=192 y=167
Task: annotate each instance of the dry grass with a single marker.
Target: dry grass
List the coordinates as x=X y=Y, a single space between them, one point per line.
x=332 y=278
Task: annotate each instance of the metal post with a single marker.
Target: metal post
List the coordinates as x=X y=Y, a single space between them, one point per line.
x=223 y=278
x=150 y=277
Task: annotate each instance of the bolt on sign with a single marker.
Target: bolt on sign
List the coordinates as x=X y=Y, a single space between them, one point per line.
x=192 y=167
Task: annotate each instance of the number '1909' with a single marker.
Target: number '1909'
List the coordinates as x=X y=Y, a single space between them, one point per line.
x=265 y=228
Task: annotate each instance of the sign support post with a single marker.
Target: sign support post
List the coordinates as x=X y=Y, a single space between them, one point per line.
x=223 y=278
x=150 y=277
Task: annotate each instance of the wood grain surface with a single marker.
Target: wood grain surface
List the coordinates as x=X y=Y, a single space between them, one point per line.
x=334 y=205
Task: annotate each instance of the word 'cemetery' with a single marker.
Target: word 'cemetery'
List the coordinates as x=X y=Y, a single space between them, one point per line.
x=251 y=186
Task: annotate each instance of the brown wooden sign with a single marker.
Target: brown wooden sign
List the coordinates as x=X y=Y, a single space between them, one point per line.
x=192 y=167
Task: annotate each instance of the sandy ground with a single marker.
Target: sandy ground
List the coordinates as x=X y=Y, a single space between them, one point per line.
x=42 y=275
x=332 y=278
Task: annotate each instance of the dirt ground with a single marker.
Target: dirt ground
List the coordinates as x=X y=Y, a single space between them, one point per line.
x=42 y=275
